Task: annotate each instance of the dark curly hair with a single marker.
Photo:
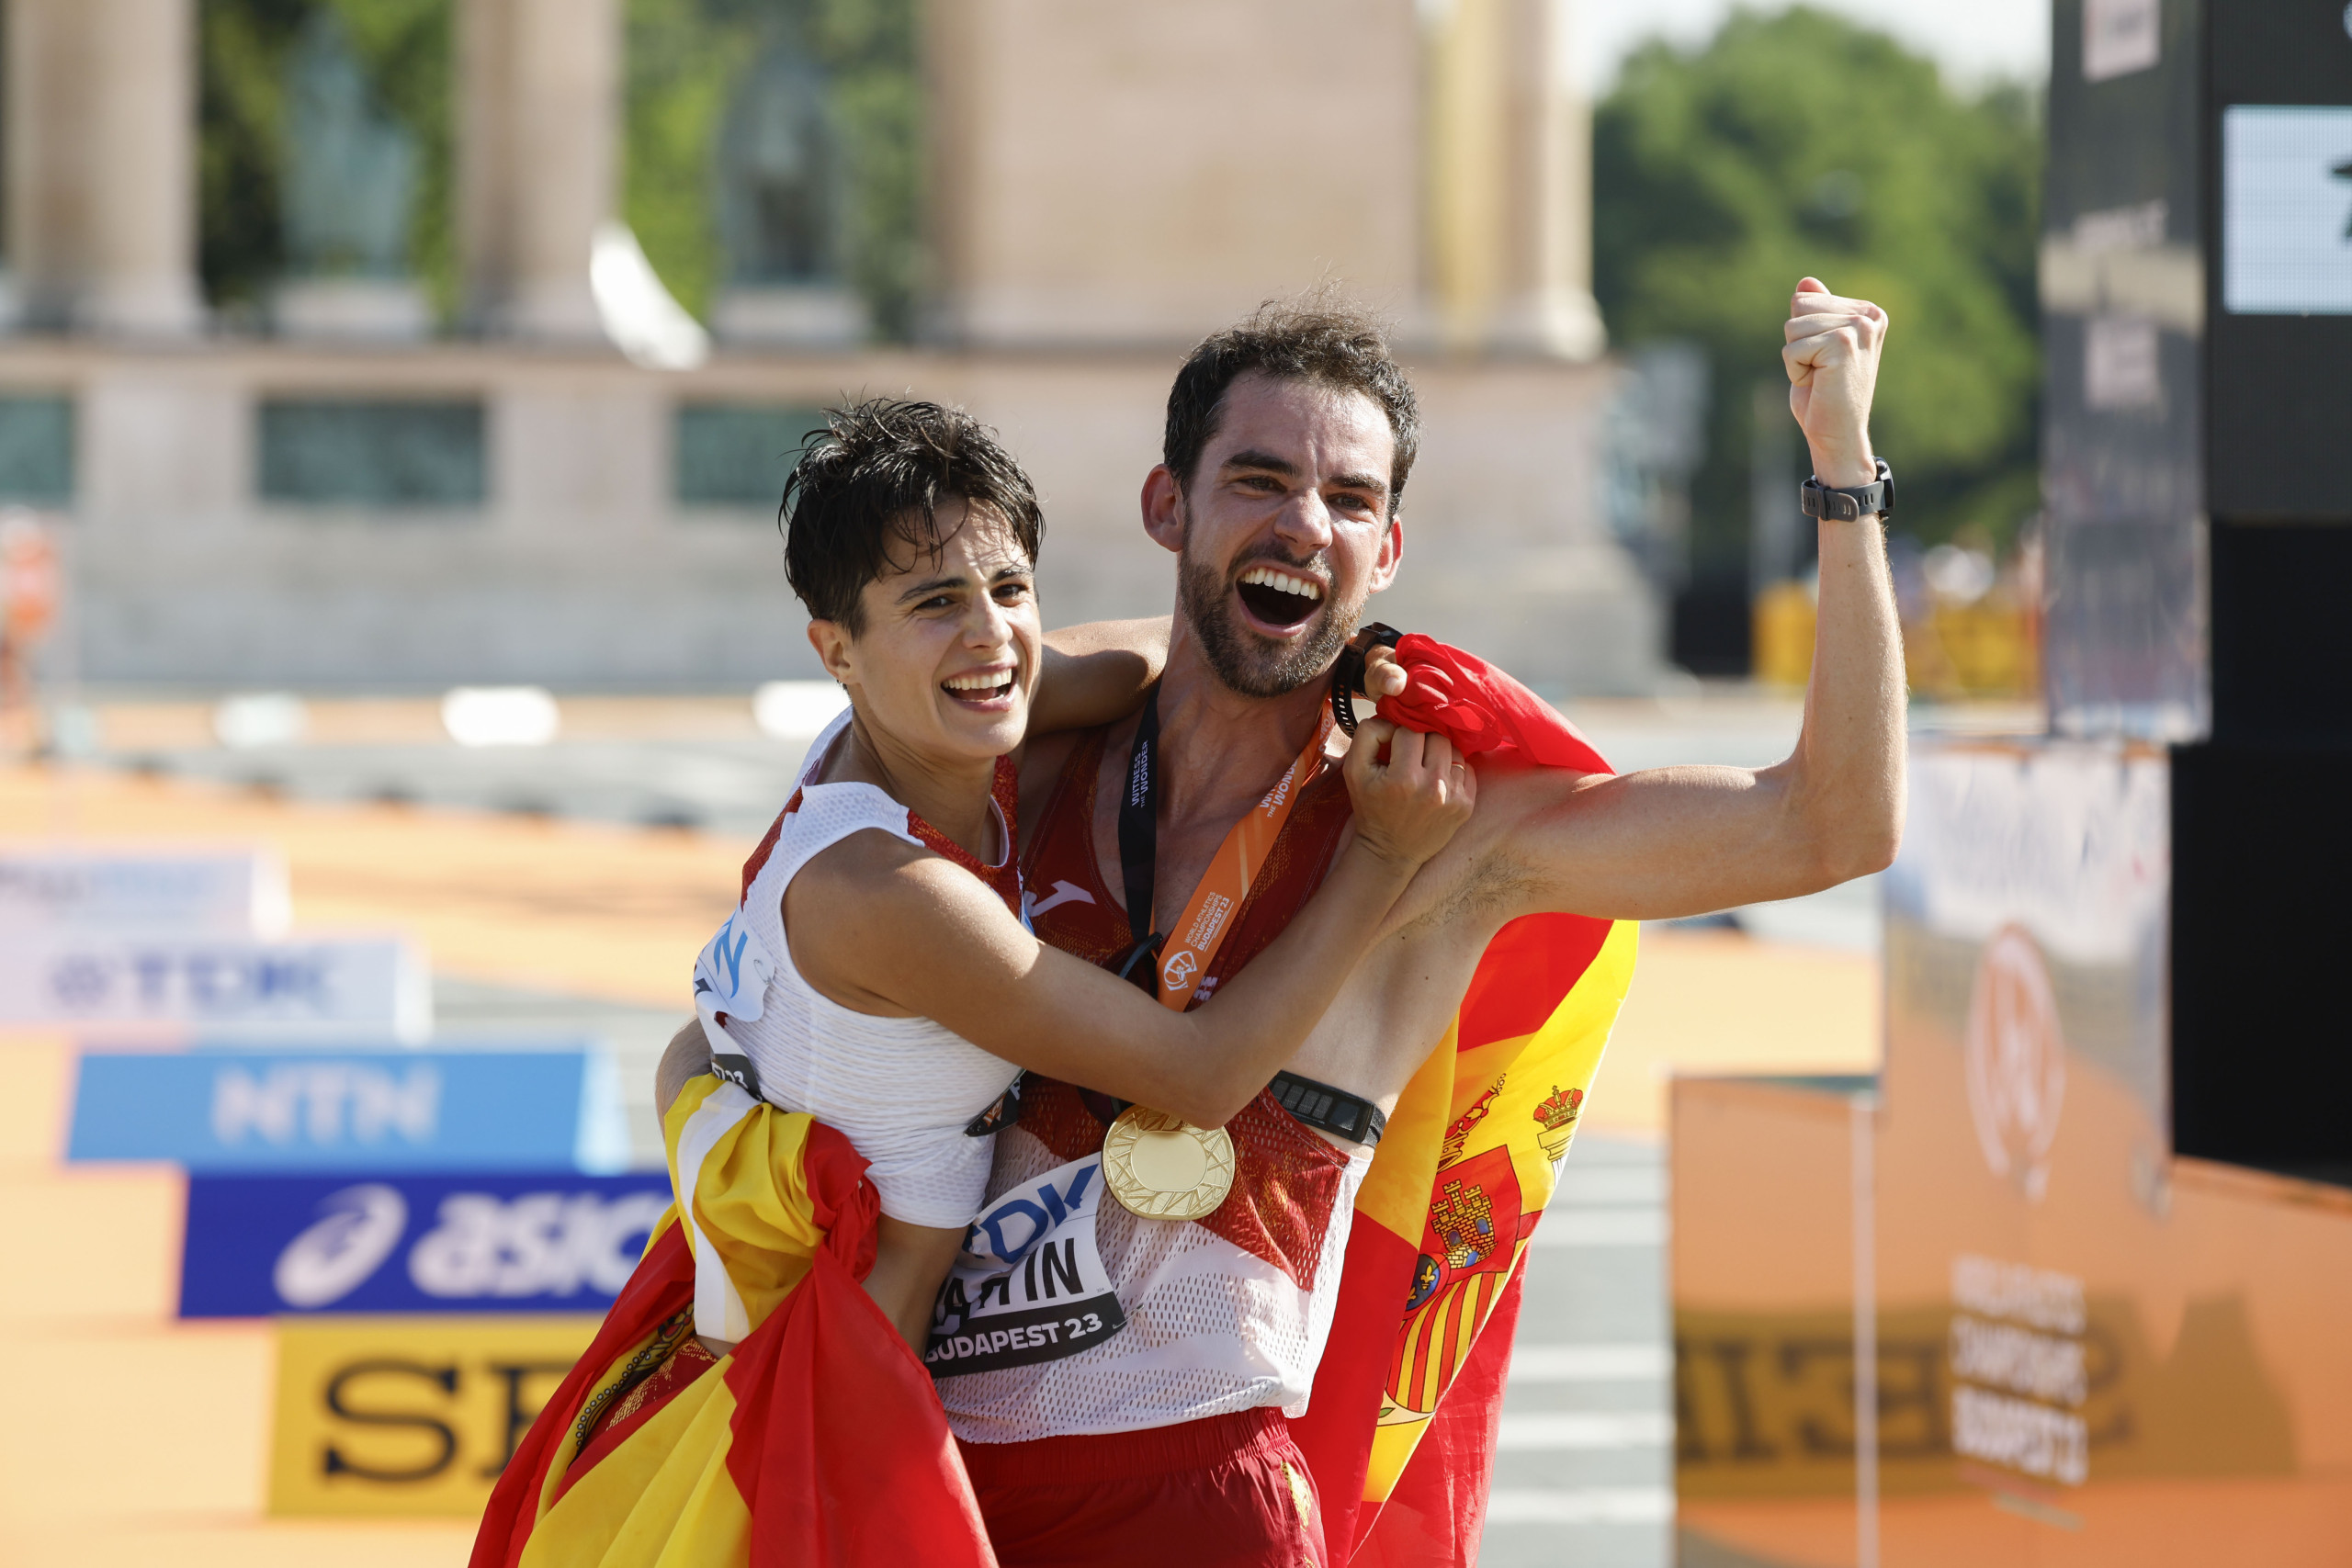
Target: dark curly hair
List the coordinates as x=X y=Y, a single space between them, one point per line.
x=1319 y=338
x=872 y=480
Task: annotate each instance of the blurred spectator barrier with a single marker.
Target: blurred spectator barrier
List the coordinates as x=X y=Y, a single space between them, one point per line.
x=398 y=1242
x=1783 y=631
x=501 y=716
x=797 y=710
x=410 y=1416
x=375 y=985
x=254 y=719
x=249 y=1110
x=222 y=893
x=1968 y=632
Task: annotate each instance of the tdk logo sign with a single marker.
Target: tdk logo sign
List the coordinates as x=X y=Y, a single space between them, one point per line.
x=354 y=985
x=261 y=1246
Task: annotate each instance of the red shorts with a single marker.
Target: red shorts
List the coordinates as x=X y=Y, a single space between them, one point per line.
x=1230 y=1491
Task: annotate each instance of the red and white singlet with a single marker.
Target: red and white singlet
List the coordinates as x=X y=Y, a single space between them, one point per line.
x=1072 y=1316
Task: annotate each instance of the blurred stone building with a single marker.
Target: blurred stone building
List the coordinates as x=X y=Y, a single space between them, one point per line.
x=345 y=482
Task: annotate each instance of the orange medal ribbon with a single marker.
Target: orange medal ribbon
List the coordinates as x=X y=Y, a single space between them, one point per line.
x=1201 y=930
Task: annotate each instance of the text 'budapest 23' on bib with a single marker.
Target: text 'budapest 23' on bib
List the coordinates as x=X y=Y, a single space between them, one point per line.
x=1029 y=1285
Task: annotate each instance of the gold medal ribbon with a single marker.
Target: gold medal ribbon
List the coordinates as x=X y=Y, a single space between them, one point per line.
x=1208 y=915
x=1158 y=1166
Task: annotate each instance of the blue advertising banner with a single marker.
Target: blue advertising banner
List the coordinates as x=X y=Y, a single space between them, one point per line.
x=374 y=1110
x=530 y=1243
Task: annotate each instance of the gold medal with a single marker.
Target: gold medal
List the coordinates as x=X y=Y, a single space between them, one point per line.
x=1163 y=1168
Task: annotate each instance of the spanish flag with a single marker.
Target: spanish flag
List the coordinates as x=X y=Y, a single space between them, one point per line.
x=818 y=1441
x=1400 y=1435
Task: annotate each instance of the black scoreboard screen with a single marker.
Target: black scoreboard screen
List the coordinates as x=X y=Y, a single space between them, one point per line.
x=2279 y=332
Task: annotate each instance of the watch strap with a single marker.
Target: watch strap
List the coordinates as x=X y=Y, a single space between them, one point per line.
x=1877 y=498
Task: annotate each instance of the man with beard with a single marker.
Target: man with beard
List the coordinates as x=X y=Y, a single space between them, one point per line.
x=1173 y=844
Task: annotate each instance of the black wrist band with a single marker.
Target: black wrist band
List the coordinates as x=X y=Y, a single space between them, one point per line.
x=1877 y=498
x=1333 y=1111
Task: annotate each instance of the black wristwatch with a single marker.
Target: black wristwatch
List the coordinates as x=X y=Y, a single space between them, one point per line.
x=1847 y=505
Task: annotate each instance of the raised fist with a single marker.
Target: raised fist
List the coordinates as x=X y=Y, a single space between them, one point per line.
x=1832 y=359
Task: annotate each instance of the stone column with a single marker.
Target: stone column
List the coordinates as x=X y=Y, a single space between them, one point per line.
x=101 y=165
x=1546 y=304
x=1113 y=173
x=540 y=95
x=1461 y=193
x=1509 y=149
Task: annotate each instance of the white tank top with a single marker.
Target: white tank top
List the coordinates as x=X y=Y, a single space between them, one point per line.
x=901 y=1089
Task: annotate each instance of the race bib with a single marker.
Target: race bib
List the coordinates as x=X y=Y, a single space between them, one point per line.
x=731 y=972
x=1030 y=1285
x=732 y=982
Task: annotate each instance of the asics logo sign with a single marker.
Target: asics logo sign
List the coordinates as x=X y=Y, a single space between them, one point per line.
x=361 y=1226
x=541 y=1244
x=264 y=1245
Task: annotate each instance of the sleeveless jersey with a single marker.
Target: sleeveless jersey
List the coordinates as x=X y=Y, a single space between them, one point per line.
x=1223 y=1314
x=901 y=1089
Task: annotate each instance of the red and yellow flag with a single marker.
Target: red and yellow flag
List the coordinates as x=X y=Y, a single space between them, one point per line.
x=1401 y=1430
x=818 y=1441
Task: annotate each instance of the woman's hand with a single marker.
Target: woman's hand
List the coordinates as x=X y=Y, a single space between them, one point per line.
x=1412 y=791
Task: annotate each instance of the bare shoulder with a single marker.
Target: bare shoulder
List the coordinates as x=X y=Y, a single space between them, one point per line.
x=1483 y=878
x=873 y=882
x=865 y=909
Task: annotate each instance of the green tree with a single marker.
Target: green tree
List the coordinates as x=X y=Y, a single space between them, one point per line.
x=1801 y=142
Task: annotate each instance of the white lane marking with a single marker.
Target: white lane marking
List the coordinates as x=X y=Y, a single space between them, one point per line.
x=1602 y=1227
x=1610 y=1184
x=1581 y=1506
x=1591 y=1363
x=1555 y=1429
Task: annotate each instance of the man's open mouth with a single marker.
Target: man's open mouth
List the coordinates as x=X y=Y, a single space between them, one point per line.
x=1278 y=598
x=981 y=686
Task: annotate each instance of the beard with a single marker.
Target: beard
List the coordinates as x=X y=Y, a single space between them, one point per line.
x=1245 y=662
